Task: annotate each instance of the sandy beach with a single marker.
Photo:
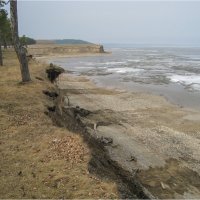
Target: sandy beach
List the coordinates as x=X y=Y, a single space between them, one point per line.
x=156 y=141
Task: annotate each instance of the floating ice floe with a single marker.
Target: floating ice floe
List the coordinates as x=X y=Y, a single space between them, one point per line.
x=192 y=81
x=123 y=70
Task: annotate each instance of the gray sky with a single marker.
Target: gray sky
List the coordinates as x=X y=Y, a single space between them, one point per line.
x=150 y=22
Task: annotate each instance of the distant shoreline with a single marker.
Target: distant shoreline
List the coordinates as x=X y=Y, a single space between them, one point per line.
x=62 y=50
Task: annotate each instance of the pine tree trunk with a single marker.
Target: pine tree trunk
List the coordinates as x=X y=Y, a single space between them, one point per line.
x=5 y=44
x=20 y=50
x=1 y=57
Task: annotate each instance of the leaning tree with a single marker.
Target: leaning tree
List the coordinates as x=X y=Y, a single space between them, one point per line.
x=20 y=50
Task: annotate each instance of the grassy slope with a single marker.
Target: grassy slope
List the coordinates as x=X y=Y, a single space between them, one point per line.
x=37 y=159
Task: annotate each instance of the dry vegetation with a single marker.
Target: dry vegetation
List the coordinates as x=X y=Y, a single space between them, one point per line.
x=37 y=159
x=55 y=50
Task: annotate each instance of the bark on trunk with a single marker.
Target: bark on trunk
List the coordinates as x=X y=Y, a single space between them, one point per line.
x=20 y=50
x=5 y=44
x=1 y=57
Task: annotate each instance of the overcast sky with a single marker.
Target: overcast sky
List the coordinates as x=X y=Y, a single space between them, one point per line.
x=150 y=22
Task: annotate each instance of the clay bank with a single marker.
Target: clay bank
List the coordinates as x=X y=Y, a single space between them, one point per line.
x=55 y=50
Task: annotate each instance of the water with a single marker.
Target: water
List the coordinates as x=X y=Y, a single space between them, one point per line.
x=171 y=72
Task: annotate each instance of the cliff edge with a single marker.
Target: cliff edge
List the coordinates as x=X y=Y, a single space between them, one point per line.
x=61 y=50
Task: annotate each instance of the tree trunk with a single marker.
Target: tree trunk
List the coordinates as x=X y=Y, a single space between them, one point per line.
x=4 y=44
x=1 y=57
x=20 y=50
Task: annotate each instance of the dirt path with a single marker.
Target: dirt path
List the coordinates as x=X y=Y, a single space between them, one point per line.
x=158 y=143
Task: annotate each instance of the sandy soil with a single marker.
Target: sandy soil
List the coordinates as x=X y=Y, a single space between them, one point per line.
x=157 y=141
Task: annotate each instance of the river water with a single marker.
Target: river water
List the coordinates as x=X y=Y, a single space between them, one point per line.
x=171 y=72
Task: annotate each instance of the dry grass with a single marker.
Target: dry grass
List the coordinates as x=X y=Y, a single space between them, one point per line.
x=37 y=159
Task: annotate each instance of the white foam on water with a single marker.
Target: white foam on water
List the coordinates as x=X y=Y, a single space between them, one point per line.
x=124 y=70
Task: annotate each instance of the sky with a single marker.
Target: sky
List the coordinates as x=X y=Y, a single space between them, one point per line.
x=129 y=22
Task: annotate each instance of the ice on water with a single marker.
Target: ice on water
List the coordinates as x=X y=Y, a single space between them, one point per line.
x=177 y=65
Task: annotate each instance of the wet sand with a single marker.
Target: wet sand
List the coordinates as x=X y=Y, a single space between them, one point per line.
x=158 y=142
x=172 y=92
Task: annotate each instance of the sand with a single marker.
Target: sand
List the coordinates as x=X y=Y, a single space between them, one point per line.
x=158 y=141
